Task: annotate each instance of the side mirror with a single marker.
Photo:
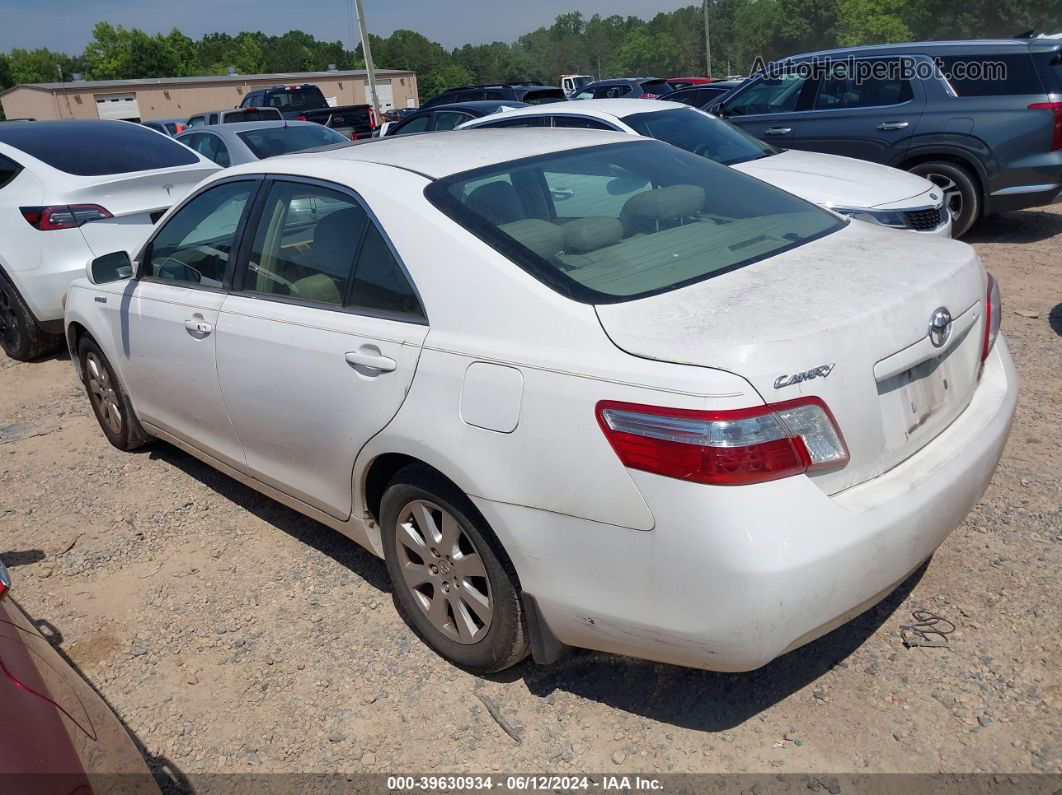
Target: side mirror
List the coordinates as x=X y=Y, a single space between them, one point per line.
x=112 y=267
x=716 y=109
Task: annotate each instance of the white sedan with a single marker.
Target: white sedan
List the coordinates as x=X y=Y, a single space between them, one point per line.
x=688 y=417
x=859 y=189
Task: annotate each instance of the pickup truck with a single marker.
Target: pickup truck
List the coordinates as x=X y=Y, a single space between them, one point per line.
x=211 y=117
x=306 y=102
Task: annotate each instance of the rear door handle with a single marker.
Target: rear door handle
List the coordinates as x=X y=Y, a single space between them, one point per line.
x=893 y=125
x=778 y=131
x=371 y=361
x=197 y=326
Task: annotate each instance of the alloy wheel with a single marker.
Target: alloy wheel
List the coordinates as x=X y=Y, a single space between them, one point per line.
x=952 y=193
x=103 y=393
x=10 y=335
x=443 y=571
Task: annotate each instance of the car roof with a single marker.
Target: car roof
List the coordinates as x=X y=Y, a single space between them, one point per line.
x=928 y=46
x=440 y=154
x=486 y=105
x=599 y=108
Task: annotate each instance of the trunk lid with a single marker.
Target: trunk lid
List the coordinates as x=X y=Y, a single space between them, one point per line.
x=845 y=318
x=135 y=200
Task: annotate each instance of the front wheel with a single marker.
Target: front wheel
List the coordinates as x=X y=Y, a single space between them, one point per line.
x=109 y=400
x=453 y=587
x=962 y=198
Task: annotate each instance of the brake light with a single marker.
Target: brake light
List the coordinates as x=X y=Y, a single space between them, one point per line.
x=63 y=216
x=301 y=117
x=5 y=581
x=725 y=448
x=180 y=128
x=372 y=118
x=993 y=317
x=1056 y=109
x=648 y=96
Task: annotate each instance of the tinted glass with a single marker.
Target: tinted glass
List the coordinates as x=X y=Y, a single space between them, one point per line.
x=882 y=85
x=991 y=75
x=210 y=147
x=657 y=87
x=9 y=169
x=197 y=121
x=195 y=244
x=580 y=123
x=519 y=121
x=414 y=125
x=611 y=92
x=305 y=244
x=258 y=114
x=685 y=96
x=701 y=134
x=271 y=141
x=96 y=148
x=380 y=285
x=305 y=97
x=448 y=119
x=544 y=96
x=779 y=95
x=621 y=221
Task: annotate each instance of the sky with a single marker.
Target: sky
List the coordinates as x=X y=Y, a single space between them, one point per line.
x=66 y=25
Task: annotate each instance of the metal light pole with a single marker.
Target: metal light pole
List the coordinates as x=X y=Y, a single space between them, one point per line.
x=367 y=52
x=707 y=42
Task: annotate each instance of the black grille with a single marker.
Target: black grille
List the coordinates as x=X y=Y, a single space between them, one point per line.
x=923 y=220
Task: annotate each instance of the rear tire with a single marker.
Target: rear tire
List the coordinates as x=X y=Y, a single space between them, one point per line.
x=21 y=337
x=109 y=400
x=962 y=196
x=453 y=585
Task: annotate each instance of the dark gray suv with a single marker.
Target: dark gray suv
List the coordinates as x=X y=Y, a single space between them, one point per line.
x=981 y=119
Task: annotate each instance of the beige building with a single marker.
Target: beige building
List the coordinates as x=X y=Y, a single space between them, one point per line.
x=181 y=97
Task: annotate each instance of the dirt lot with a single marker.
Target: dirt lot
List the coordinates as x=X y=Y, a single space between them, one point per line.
x=232 y=634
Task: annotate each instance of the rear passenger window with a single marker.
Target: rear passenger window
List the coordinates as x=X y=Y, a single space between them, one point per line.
x=991 y=75
x=580 y=123
x=448 y=119
x=881 y=84
x=418 y=124
x=9 y=169
x=305 y=244
x=196 y=243
x=519 y=121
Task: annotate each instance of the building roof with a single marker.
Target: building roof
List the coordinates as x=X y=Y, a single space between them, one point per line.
x=279 y=77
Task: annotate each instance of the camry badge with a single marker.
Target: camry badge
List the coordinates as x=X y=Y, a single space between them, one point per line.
x=821 y=371
x=940 y=327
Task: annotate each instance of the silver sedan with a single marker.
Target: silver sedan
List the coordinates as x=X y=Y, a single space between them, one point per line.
x=244 y=142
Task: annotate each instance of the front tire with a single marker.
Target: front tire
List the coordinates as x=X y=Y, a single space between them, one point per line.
x=21 y=336
x=453 y=585
x=962 y=196
x=109 y=400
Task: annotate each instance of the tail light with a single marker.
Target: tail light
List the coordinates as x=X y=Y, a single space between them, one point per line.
x=301 y=117
x=63 y=216
x=1056 y=109
x=993 y=317
x=353 y=135
x=5 y=580
x=648 y=96
x=725 y=448
x=372 y=119
x=180 y=128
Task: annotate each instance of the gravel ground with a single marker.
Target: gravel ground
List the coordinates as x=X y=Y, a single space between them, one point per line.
x=232 y=634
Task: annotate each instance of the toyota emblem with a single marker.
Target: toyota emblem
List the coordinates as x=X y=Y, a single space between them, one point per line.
x=940 y=327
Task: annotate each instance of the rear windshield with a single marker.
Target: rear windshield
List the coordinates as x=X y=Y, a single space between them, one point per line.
x=258 y=114
x=701 y=134
x=97 y=148
x=657 y=87
x=543 y=96
x=612 y=223
x=297 y=98
x=1050 y=64
x=273 y=141
x=994 y=75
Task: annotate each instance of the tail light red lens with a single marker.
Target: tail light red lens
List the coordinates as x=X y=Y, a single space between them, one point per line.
x=5 y=581
x=725 y=448
x=372 y=119
x=301 y=117
x=63 y=216
x=1056 y=109
x=179 y=128
x=648 y=96
x=993 y=317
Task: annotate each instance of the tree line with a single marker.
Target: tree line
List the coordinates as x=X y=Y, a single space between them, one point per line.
x=669 y=44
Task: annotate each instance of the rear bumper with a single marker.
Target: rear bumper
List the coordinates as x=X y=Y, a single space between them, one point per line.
x=730 y=578
x=1010 y=199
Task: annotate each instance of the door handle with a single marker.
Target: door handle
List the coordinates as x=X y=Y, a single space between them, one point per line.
x=198 y=326
x=892 y=125
x=371 y=361
x=778 y=131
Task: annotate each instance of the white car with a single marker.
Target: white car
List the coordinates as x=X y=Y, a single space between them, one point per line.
x=69 y=191
x=856 y=188
x=681 y=415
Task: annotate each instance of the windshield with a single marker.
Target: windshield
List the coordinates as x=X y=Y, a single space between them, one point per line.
x=701 y=134
x=273 y=141
x=621 y=221
x=297 y=98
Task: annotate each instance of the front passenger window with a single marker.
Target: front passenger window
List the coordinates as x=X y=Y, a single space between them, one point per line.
x=195 y=244
x=769 y=95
